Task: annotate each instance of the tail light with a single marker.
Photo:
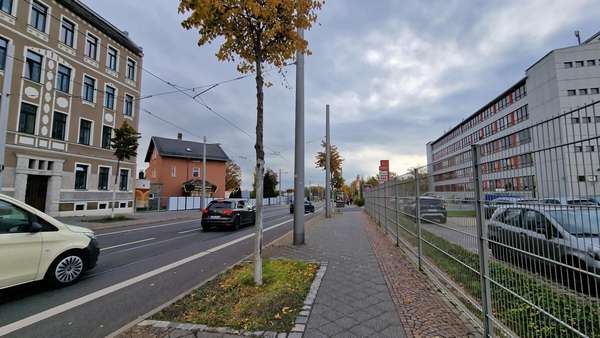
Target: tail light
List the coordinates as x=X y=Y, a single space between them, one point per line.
x=205 y=211
x=227 y=212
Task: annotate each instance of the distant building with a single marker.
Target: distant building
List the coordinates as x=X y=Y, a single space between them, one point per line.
x=75 y=77
x=561 y=81
x=175 y=168
x=384 y=171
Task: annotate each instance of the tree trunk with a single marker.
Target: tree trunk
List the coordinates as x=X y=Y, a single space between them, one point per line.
x=260 y=168
x=114 y=194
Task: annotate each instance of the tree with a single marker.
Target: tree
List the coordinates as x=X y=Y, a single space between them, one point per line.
x=233 y=176
x=125 y=144
x=253 y=33
x=336 y=160
x=372 y=181
x=269 y=185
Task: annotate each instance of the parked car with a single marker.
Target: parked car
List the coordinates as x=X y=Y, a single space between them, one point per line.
x=228 y=214
x=35 y=246
x=432 y=209
x=548 y=235
x=490 y=206
x=571 y=201
x=308 y=207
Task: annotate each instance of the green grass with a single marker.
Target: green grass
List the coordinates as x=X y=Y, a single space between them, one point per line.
x=581 y=312
x=232 y=299
x=461 y=213
x=108 y=219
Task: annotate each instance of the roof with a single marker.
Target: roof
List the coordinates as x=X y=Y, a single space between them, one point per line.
x=168 y=147
x=102 y=24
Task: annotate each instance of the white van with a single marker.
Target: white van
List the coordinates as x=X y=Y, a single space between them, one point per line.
x=35 y=246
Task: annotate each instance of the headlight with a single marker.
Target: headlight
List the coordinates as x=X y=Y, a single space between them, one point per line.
x=91 y=235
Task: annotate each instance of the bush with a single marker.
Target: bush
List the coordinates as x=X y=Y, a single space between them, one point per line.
x=359 y=202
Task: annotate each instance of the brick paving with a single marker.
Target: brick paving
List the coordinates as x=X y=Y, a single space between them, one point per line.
x=423 y=310
x=353 y=300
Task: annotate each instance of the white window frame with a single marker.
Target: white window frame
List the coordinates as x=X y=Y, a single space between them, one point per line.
x=75 y=31
x=67 y=125
x=71 y=79
x=125 y=105
x=109 y=177
x=115 y=99
x=91 y=132
x=87 y=178
x=13 y=12
x=94 y=92
x=112 y=134
x=108 y=46
x=48 y=15
x=173 y=171
x=98 y=44
x=128 y=179
x=135 y=75
x=196 y=171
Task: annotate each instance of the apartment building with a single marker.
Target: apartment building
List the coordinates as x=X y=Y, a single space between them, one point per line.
x=559 y=82
x=73 y=78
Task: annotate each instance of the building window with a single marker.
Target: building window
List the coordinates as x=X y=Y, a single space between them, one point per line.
x=128 y=105
x=571 y=92
x=583 y=91
x=27 y=118
x=38 y=16
x=106 y=137
x=173 y=171
x=67 y=32
x=123 y=178
x=81 y=173
x=578 y=149
x=574 y=120
x=154 y=172
x=89 y=84
x=586 y=119
x=579 y=64
x=109 y=97
x=568 y=64
x=59 y=126
x=131 y=69
x=33 y=66
x=91 y=46
x=6 y=6
x=85 y=132
x=103 y=175
x=588 y=148
x=591 y=62
x=196 y=172
x=111 y=62
x=3 y=48
x=63 y=79
x=594 y=91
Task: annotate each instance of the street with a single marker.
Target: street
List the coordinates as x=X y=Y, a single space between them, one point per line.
x=140 y=268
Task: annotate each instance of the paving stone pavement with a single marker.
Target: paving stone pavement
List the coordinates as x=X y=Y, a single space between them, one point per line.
x=353 y=300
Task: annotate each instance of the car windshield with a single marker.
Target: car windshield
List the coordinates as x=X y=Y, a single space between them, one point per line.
x=220 y=205
x=431 y=203
x=578 y=222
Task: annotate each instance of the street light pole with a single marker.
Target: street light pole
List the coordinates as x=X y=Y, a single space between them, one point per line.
x=204 y=173
x=327 y=165
x=299 y=151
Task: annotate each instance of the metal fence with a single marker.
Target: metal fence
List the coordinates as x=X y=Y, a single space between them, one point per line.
x=514 y=230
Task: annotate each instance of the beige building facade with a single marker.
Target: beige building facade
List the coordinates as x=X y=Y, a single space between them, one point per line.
x=75 y=77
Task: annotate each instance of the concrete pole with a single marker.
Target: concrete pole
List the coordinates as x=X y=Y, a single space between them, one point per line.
x=5 y=104
x=280 y=192
x=327 y=165
x=203 y=204
x=299 y=155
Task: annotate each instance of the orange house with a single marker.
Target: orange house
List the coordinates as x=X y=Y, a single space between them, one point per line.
x=175 y=168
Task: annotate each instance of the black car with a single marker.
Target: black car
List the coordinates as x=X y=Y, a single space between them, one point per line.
x=432 y=209
x=308 y=207
x=228 y=214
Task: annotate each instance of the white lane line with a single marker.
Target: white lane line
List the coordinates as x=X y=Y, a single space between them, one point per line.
x=148 y=227
x=186 y=231
x=150 y=244
x=20 y=324
x=125 y=244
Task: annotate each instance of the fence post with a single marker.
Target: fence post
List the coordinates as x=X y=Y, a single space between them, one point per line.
x=385 y=220
x=482 y=232
x=397 y=217
x=418 y=215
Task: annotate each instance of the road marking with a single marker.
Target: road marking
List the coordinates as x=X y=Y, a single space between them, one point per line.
x=186 y=231
x=148 y=227
x=125 y=244
x=33 y=319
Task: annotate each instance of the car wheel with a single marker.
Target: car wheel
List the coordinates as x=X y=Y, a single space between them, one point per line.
x=205 y=228
x=237 y=223
x=66 y=269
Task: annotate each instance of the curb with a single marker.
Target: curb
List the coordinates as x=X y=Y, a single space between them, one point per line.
x=296 y=332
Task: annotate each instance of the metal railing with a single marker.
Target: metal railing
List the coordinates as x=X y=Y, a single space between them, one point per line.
x=514 y=233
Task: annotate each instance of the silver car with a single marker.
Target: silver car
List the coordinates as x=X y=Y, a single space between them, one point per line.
x=564 y=238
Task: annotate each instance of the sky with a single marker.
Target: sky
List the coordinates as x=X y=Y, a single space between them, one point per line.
x=397 y=74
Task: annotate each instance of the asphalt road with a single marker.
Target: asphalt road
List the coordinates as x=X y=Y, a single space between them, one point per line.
x=140 y=268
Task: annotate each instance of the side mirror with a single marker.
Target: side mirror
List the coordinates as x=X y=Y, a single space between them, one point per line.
x=35 y=227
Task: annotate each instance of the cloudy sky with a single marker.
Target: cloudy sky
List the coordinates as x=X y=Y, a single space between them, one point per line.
x=397 y=73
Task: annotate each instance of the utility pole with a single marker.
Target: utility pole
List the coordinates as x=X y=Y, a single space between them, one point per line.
x=203 y=205
x=299 y=155
x=279 y=179
x=327 y=165
x=5 y=104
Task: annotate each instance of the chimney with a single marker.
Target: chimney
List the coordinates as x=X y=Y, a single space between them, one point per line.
x=179 y=136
